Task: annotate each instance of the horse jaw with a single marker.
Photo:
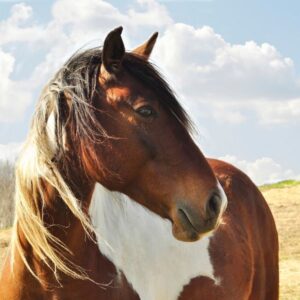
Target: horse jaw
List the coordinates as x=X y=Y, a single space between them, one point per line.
x=142 y=246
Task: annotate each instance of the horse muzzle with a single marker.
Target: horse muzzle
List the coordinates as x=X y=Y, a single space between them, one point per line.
x=191 y=223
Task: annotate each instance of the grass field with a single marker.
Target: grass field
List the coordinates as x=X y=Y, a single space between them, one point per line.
x=279 y=185
x=285 y=205
x=284 y=200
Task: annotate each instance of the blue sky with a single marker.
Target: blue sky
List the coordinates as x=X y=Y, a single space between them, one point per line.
x=235 y=66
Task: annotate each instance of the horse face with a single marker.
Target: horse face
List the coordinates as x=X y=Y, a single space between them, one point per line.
x=150 y=154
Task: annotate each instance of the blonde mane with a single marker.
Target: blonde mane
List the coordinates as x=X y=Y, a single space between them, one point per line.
x=38 y=161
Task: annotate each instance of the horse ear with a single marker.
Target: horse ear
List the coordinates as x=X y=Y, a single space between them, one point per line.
x=145 y=49
x=112 y=53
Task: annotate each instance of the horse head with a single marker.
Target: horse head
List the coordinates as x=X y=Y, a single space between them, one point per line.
x=149 y=154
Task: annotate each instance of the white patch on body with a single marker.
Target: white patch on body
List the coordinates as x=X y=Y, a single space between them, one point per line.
x=141 y=245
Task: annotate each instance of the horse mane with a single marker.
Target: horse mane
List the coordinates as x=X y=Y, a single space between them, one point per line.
x=44 y=151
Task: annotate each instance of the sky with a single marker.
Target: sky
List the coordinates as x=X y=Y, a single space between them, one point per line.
x=234 y=65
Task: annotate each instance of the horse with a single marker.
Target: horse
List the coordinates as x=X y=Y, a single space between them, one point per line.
x=114 y=199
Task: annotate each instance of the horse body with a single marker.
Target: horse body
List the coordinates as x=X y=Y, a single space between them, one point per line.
x=140 y=259
x=140 y=244
x=109 y=122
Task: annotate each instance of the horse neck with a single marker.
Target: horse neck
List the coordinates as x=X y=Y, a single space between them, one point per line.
x=63 y=225
x=66 y=227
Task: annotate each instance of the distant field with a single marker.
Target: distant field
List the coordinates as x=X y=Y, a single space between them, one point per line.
x=285 y=205
x=284 y=200
x=279 y=185
x=4 y=242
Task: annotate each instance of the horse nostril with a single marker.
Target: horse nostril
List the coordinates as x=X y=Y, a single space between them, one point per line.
x=214 y=205
x=189 y=218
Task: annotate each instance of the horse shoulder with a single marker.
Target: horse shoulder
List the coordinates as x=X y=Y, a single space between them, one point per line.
x=244 y=249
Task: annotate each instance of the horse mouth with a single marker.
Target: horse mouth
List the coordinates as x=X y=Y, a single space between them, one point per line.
x=188 y=231
x=186 y=222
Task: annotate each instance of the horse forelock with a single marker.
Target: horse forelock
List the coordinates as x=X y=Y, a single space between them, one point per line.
x=78 y=82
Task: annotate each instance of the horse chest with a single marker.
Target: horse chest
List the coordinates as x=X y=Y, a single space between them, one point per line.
x=141 y=245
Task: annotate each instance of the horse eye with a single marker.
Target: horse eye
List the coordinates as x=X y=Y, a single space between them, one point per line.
x=145 y=111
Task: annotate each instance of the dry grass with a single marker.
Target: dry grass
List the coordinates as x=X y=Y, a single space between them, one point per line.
x=7 y=189
x=4 y=242
x=285 y=205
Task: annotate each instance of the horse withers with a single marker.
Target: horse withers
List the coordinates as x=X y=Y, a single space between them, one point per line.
x=109 y=158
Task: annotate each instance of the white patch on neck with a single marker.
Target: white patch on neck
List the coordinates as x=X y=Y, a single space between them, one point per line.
x=141 y=245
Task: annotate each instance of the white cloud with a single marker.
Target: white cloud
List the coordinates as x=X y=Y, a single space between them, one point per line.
x=212 y=72
x=226 y=80
x=17 y=28
x=15 y=96
x=227 y=113
x=94 y=18
x=282 y=112
x=262 y=170
x=153 y=14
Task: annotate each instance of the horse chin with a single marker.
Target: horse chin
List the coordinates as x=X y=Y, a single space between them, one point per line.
x=185 y=235
x=190 y=235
